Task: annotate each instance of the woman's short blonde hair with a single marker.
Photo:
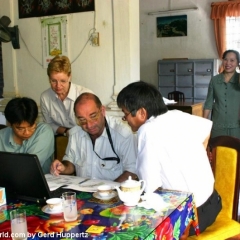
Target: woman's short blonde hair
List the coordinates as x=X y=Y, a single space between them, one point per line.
x=59 y=64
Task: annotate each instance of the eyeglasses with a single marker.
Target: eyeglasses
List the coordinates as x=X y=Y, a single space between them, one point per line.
x=24 y=129
x=61 y=82
x=94 y=117
x=124 y=118
x=108 y=158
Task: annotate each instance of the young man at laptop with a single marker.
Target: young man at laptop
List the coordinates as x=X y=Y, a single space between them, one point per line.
x=101 y=147
x=24 y=134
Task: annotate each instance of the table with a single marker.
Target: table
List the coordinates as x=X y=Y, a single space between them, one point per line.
x=100 y=220
x=194 y=108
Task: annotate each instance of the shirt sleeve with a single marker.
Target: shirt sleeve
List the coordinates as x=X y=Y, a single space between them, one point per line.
x=210 y=97
x=148 y=168
x=43 y=145
x=129 y=153
x=46 y=114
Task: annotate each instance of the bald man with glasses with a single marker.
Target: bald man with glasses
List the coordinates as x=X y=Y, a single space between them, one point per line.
x=101 y=147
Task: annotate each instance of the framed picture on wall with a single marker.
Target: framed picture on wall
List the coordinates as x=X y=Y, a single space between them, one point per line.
x=172 y=26
x=40 y=8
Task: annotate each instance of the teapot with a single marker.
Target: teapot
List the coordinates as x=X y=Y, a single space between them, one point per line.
x=130 y=191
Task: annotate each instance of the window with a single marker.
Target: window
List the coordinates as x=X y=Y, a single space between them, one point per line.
x=233 y=33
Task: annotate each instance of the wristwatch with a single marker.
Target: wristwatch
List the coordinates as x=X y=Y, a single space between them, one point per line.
x=65 y=132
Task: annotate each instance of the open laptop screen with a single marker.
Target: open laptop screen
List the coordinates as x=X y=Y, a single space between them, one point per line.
x=22 y=176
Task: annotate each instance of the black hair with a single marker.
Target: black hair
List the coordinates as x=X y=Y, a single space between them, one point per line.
x=232 y=51
x=142 y=95
x=20 y=110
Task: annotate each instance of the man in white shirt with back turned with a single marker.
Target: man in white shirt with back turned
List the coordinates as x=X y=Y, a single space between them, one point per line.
x=171 y=148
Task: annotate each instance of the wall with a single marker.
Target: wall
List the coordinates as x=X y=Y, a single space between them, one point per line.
x=199 y=43
x=105 y=69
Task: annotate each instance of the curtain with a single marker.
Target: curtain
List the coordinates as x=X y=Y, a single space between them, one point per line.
x=221 y=10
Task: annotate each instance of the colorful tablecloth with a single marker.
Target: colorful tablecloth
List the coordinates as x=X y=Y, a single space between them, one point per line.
x=100 y=220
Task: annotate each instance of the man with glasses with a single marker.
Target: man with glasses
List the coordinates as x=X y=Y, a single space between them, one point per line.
x=101 y=147
x=57 y=101
x=171 y=148
x=24 y=134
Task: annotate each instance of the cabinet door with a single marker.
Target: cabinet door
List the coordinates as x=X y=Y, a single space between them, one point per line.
x=184 y=68
x=166 y=68
x=166 y=81
x=203 y=74
x=165 y=90
x=204 y=68
x=184 y=81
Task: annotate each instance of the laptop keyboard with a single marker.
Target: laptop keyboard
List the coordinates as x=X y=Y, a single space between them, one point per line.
x=59 y=191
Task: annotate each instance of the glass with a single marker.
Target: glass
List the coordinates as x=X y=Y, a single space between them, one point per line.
x=61 y=82
x=124 y=118
x=69 y=206
x=18 y=224
x=24 y=129
x=94 y=117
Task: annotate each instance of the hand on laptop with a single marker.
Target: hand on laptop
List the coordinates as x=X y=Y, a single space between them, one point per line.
x=57 y=167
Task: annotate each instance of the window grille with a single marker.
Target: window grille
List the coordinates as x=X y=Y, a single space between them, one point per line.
x=233 y=33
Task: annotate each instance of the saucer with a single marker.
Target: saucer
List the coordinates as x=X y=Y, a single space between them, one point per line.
x=111 y=195
x=46 y=209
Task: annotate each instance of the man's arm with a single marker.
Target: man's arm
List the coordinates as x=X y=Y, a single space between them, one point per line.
x=205 y=143
x=124 y=176
x=62 y=167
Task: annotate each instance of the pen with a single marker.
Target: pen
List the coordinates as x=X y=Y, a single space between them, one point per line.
x=84 y=181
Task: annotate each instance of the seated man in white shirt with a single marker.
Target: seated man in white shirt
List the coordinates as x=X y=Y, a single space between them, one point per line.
x=171 y=148
x=101 y=147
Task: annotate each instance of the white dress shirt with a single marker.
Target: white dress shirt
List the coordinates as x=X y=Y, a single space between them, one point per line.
x=57 y=112
x=80 y=151
x=171 y=154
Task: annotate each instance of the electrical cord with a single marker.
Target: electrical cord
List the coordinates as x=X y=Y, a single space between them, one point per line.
x=89 y=39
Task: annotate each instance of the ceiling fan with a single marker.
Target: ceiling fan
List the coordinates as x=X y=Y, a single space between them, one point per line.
x=9 y=34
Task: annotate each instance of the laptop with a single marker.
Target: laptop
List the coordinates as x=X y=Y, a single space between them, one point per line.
x=22 y=176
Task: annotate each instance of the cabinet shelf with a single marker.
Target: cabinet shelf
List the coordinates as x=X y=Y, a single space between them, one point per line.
x=201 y=85
x=191 y=77
x=203 y=73
x=182 y=86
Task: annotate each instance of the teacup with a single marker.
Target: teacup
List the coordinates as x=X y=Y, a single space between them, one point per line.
x=54 y=204
x=104 y=190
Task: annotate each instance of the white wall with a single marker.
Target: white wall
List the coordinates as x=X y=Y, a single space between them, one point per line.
x=199 y=42
x=105 y=69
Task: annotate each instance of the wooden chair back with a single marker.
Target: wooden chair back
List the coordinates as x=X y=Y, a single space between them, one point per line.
x=60 y=146
x=176 y=96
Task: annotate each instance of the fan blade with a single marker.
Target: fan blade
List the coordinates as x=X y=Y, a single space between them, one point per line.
x=4 y=35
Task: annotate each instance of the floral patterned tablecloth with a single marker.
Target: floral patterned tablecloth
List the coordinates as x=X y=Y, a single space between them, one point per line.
x=100 y=220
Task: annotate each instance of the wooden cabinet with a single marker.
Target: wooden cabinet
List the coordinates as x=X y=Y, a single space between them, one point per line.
x=188 y=76
x=188 y=107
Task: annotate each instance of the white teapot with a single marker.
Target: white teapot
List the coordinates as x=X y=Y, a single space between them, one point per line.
x=131 y=191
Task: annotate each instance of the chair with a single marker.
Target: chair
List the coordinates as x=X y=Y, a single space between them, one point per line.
x=225 y=161
x=176 y=96
x=60 y=146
